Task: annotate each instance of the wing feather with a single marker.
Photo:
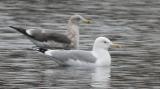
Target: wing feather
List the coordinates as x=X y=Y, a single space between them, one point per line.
x=81 y=55
x=47 y=39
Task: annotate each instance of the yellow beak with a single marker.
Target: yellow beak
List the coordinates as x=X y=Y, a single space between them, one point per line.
x=114 y=45
x=87 y=21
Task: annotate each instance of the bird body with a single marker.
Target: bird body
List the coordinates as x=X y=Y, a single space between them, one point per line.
x=52 y=40
x=73 y=35
x=98 y=56
x=45 y=39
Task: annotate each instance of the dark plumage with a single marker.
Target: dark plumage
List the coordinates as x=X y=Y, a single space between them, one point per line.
x=51 y=40
x=44 y=39
x=40 y=36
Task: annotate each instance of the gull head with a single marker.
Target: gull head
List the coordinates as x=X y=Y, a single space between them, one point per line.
x=104 y=43
x=78 y=18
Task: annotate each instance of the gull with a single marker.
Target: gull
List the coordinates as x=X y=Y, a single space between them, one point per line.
x=52 y=40
x=98 y=56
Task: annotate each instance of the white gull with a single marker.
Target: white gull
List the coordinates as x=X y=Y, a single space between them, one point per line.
x=98 y=56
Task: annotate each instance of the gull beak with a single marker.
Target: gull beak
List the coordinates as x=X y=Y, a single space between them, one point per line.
x=114 y=45
x=87 y=21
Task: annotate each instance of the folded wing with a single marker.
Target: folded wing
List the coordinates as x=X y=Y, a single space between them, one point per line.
x=76 y=55
x=45 y=39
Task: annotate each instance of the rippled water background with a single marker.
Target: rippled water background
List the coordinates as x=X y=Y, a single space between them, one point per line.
x=133 y=23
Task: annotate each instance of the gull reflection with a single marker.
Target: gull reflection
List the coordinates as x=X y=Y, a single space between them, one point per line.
x=101 y=77
x=78 y=76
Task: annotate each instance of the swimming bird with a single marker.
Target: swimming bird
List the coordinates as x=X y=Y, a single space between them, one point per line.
x=98 y=56
x=51 y=40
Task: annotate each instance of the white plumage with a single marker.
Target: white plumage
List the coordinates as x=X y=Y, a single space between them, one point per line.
x=98 y=56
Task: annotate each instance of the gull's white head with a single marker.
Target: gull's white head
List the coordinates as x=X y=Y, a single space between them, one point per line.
x=102 y=43
x=77 y=18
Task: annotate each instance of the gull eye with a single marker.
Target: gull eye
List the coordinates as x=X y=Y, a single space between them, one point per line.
x=105 y=42
x=78 y=19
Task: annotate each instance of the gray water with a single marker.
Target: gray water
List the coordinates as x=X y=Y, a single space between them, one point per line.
x=133 y=23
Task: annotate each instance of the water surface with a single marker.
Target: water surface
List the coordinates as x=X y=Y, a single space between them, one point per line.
x=133 y=23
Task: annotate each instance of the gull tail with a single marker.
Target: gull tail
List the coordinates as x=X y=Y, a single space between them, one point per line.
x=40 y=49
x=21 y=30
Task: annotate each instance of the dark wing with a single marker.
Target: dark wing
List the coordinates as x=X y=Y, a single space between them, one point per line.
x=39 y=35
x=56 y=37
x=21 y=30
x=46 y=38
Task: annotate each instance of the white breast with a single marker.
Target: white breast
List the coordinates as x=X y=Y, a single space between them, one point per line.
x=79 y=63
x=103 y=57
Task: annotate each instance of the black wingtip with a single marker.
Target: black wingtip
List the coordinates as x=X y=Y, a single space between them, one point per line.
x=22 y=30
x=13 y=27
x=10 y=26
x=42 y=50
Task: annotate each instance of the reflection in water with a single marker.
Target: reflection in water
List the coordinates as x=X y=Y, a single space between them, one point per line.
x=101 y=77
x=78 y=77
x=134 y=23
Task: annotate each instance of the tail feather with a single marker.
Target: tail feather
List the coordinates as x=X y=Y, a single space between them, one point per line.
x=21 y=30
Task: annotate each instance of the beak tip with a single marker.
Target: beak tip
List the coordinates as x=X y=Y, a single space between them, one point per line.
x=87 y=21
x=117 y=46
